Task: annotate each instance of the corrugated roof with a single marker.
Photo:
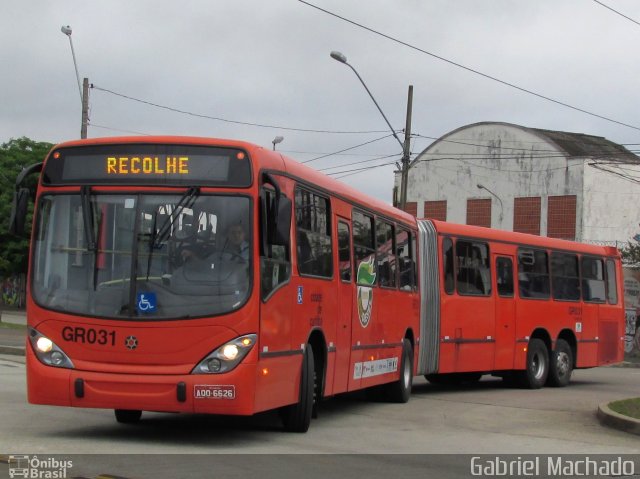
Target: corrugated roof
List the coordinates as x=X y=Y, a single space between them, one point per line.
x=581 y=145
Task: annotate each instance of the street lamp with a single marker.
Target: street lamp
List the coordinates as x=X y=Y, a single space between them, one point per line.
x=482 y=187
x=407 y=132
x=276 y=140
x=84 y=89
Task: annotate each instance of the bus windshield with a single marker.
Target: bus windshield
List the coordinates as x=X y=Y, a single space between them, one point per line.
x=189 y=255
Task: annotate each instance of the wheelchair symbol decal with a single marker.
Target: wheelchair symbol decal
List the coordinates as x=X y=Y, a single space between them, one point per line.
x=146 y=302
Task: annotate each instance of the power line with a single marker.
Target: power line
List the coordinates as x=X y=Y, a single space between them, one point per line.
x=616 y=11
x=236 y=122
x=299 y=152
x=622 y=175
x=118 y=129
x=346 y=149
x=361 y=170
x=357 y=162
x=469 y=69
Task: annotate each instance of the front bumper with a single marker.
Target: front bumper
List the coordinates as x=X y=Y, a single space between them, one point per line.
x=166 y=393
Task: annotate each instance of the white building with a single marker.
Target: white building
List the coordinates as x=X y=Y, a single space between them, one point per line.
x=563 y=185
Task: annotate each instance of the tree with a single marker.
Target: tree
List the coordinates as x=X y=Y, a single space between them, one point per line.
x=15 y=155
x=631 y=253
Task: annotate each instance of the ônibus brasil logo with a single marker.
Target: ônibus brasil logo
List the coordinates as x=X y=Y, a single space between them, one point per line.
x=366 y=278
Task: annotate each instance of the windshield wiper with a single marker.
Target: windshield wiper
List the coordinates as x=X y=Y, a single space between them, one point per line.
x=87 y=217
x=157 y=238
x=89 y=229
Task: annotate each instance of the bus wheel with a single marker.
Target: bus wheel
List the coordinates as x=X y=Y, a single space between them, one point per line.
x=561 y=365
x=297 y=417
x=400 y=390
x=537 y=368
x=127 y=416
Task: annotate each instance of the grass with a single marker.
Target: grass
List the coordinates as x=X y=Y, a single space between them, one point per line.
x=12 y=326
x=627 y=407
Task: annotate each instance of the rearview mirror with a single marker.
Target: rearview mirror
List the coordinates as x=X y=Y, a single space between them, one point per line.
x=282 y=230
x=19 y=208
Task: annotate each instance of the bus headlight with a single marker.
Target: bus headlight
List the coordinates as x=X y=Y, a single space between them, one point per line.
x=47 y=351
x=227 y=356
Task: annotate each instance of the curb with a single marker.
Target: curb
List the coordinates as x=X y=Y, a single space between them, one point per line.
x=12 y=350
x=610 y=418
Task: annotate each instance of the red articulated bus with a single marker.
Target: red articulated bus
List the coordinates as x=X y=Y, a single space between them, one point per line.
x=213 y=276
x=524 y=307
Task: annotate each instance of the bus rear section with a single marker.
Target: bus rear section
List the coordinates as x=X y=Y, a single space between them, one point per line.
x=522 y=307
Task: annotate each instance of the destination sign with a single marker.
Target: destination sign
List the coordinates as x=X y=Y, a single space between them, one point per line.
x=147 y=165
x=164 y=165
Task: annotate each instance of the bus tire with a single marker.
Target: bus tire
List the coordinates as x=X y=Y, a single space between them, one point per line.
x=400 y=390
x=560 y=365
x=128 y=416
x=297 y=417
x=537 y=367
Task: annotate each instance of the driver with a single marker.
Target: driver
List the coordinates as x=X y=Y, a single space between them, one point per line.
x=235 y=245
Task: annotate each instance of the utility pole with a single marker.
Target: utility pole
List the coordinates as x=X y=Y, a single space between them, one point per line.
x=406 y=152
x=85 y=108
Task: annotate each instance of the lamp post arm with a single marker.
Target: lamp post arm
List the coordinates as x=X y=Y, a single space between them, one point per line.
x=482 y=187
x=377 y=106
x=75 y=65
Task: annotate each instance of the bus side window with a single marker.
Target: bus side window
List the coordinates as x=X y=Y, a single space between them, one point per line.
x=473 y=274
x=386 y=257
x=533 y=274
x=313 y=234
x=504 y=276
x=344 y=251
x=364 y=249
x=406 y=264
x=612 y=285
x=565 y=277
x=275 y=262
x=593 y=286
x=447 y=253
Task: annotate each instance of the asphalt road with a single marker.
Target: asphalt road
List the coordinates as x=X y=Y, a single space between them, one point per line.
x=487 y=419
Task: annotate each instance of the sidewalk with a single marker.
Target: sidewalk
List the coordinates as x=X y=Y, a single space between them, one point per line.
x=13 y=316
x=12 y=341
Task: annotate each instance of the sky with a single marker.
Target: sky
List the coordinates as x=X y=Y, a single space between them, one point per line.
x=267 y=63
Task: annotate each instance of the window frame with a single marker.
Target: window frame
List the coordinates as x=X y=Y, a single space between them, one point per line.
x=610 y=261
x=380 y=223
x=355 y=245
x=344 y=223
x=412 y=257
x=520 y=250
x=449 y=291
x=267 y=190
x=473 y=244
x=553 y=277
x=603 y=280
x=513 y=283
x=325 y=234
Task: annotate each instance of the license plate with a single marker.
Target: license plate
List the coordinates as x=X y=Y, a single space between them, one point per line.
x=206 y=391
